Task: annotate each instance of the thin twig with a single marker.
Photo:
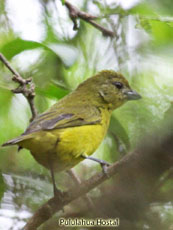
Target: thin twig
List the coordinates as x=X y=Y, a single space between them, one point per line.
x=26 y=86
x=76 y=13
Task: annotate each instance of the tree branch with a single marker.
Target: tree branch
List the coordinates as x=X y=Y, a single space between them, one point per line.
x=149 y=161
x=47 y=210
x=26 y=86
x=76 y=13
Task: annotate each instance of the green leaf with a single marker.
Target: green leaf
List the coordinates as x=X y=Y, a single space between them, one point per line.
x=63 y=2
x=144 y=23
x=52 y=91
x=159 y=27
x=117 y=129
x=18 y=45
x=162 y=32
x=67 y=53
x=142 y=9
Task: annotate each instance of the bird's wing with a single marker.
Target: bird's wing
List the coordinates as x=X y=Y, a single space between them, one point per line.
x=60 y=118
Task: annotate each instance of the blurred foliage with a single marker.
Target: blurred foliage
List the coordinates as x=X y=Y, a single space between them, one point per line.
x=60 y=58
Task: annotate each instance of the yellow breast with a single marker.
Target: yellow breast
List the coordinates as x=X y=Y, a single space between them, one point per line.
x=80 y=140
x=64 y=147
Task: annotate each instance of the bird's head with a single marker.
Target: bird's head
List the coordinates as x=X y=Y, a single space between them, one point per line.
x=109 y=88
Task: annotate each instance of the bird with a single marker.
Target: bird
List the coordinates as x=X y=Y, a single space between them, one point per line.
x=72 y=129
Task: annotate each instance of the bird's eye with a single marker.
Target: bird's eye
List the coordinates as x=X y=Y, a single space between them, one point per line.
x=119 y=85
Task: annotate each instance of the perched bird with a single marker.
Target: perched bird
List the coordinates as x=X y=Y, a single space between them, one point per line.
x=73 y=128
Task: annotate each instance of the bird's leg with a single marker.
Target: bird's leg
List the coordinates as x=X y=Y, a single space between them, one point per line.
x=102 y=163
x=57 y=192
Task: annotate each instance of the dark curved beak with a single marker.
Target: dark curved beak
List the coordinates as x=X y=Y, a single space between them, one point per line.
x=132 y=95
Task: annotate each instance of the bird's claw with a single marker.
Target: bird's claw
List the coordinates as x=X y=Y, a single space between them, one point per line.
x=104 y=166
x=58 y=194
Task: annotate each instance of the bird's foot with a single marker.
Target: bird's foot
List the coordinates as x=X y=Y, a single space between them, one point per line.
x=58 y=194
x=104 y=166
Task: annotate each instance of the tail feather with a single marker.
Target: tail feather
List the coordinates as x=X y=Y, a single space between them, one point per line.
x=16 y=140
x=13 y=141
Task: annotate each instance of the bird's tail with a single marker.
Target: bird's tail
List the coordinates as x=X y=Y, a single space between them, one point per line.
x=15 y=141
